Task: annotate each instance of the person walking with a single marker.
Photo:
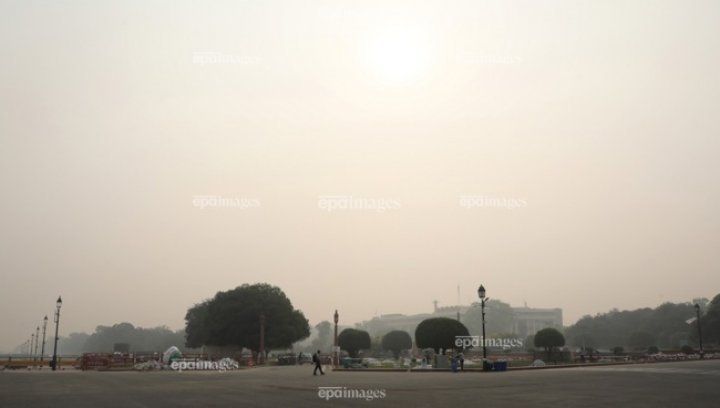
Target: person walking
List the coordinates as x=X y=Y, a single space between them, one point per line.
x=316 y=360
x=461 y=360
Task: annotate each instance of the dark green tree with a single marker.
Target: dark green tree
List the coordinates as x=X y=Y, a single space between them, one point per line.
x=197 y=331
x=549 y=339
x=233 y=318
x=439 y=333
x=397 y=341
x=354 y=340
x=710 y=321
x=618 y=350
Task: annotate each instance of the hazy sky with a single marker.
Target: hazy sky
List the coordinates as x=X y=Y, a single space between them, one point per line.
x=600 y=118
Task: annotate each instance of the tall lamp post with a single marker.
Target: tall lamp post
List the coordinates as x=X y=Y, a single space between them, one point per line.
x=481 y=294
x=30 y=350
x=697 y=311
x=37 y=340
x=42 y=351
x=262 y=338
x=53 y=364
x=336 y=352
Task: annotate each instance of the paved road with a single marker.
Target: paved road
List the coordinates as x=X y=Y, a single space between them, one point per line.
x=692 y=384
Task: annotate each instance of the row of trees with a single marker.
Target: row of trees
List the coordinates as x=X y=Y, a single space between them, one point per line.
x=668 y=326
x=106 y=337
x=435 y=333
x=233 y=318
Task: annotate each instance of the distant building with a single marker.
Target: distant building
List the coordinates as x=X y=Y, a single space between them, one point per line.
x=526 y=320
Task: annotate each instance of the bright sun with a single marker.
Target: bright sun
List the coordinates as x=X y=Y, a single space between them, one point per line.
x=398 y=56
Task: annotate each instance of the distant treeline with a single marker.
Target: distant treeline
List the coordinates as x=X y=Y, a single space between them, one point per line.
x=668 y=326
x=137 y=338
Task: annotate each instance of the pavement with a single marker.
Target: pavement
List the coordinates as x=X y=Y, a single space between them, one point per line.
x=689 y=383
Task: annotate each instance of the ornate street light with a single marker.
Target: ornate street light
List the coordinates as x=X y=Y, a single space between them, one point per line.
x=336 y=352
x=481 y=294
x=42 y=352
x=53 y=364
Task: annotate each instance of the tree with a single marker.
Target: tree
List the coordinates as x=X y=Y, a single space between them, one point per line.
x=397 y=341
x=549 y=339
x=232 y=318
x=197 y=331
x=653 y=350
x=618 y=350
x=439 y=333
x=710 y=322
x=354 y=340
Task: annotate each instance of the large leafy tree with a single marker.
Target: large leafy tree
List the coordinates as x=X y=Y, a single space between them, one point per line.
x=354 y=340
x=439 y=333
x=233 y=318
x=397 y=341
x=549 y=338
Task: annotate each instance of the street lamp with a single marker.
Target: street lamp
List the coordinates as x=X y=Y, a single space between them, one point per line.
x=697 y=311
x=481 y=294
x=53 y=364
x=336 y=352
x=37 y=340
x=30 y=350
x=42 y=352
